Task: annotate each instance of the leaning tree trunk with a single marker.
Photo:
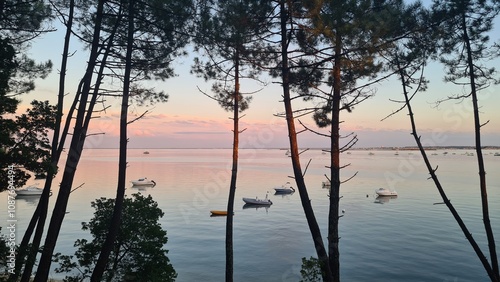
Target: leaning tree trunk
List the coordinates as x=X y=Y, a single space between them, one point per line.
x=437 y=183
x=40 y=214
x=75 y=150
x=114 y=225
x=479 y=153
x=297 y=170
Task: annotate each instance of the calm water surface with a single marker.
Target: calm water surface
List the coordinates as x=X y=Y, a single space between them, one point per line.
x=407 y=238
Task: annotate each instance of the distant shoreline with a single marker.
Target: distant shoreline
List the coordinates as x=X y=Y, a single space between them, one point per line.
x=414 y=148
x=389 y=148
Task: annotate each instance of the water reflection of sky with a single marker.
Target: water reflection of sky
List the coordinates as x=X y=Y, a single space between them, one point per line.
x=408 y=232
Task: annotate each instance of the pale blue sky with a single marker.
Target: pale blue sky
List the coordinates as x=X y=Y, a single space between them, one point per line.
x=190 y=119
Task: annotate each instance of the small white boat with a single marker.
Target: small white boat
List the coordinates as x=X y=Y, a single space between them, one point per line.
x=257 y=201
x=143 y=182
x=32 y=190
x=284 y=189
x=385 y=192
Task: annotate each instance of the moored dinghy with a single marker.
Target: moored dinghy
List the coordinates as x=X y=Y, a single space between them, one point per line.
x=32 y=190
x=143 y=182
x=218 y=213
x=257 y=201
x=284 y=189
x=385 y=192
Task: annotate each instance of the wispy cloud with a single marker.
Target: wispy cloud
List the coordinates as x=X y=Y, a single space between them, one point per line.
x=143 y=133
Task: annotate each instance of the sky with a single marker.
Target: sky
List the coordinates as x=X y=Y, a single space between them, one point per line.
x=191 y=120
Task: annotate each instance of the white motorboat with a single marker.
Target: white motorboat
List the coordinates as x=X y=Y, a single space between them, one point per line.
x=257 y=201
x=32 y=190
x=284 y=189
x=143 y=182
x=385 y=192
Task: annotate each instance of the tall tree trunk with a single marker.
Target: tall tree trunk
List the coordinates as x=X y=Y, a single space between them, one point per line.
x=234 y=172
x=432 y=172
x=75 y=150
x=479 y=153
x=333 y=216
x=114 y=225
x=297 y=170
x=40 y=214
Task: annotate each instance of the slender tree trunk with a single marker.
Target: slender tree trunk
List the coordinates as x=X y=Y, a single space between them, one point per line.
x=114 y=226
x=440 y=189
x=479 y=153
x=297 y=170
x=34 y=220
x=76 y=147
x=40 y=214
x=333 y=216
x=234 y=173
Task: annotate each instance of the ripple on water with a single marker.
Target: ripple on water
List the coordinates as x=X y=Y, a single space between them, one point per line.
x=403 y=239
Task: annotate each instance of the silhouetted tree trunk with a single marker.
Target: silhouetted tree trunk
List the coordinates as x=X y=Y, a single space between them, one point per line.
x=228 y=33
x=468 y=235
x=333 y=213
x=465 y=28
x=40 y=214
x=234 y=173
x=409 y=64
x=114 y=225
x=75 y=150
x=341 y=42
x=480 y=161
x=294 y=149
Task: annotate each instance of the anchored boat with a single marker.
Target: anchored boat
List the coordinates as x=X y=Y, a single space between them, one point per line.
x=385 y=192
x=284 y=189
x=32 y=190
x=258 y=201
x=217 y=212
x=143 y=182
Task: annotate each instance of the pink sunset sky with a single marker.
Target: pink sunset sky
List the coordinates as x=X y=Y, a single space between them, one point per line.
x=191 y=120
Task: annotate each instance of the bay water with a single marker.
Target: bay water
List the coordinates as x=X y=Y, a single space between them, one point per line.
x=411 y=237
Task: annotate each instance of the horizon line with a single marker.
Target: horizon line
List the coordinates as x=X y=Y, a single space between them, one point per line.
x=311 y=148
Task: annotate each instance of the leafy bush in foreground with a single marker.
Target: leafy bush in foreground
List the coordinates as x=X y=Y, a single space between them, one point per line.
x=138 y=253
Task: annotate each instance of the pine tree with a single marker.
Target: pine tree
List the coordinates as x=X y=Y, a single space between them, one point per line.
x=342 y=42
x=159 y=38
x=229 y=33
x=464 y=46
